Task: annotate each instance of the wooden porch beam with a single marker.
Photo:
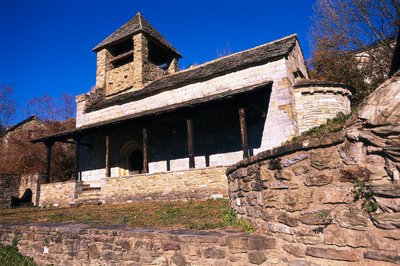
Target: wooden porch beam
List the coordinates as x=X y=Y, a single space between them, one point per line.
x=76 y=168
x=145 y=151
x=49 y=146
x=107 y=142
x=243 y=132
x=189 y=125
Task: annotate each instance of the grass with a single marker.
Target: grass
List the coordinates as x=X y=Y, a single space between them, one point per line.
x=332 y=125
x=9 y=255
x=200 y=215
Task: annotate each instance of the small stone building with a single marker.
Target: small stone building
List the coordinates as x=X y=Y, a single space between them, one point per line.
x=151 y=131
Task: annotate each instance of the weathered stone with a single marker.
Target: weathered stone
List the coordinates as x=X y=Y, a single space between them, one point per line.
x=351 y=153
x=389 y=204
x=320 y=217
x=265 y=173
x=287 y=219
x=334 y=235
x=324 y=159
x=179 y=260
x=317 y=181
x=377 y=172
x=354 y=173
x=93 y=252
x=382 y=256
x=353 y=218
x=237 y=244
x=257 y=257
x=171 y=246
x=338 y=196
x=283 y=175
x=280 y=228
x=300 y=170
x=297 y=200
x=214 y=253
x=286 y=162
x=386 y=220
x=278 y=185
x=301 y=263
x=308 y=236
x=332 y=254
x=295 y=250
x=386 y=190
x=258 y=242
x=252 y=169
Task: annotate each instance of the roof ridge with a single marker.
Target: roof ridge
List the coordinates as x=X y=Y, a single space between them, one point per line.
x=237 y=53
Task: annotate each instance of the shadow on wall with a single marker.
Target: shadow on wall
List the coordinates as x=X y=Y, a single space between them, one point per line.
x=216 y=131
x=24 y=200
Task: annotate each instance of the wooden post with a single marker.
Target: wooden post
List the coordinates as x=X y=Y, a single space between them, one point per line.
x=189 y=124
x=76 y=170
x=145 y=152
x=49 y=146
x=108 y=172
x=243 y=132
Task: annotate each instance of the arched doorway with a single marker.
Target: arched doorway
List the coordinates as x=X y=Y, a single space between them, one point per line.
x=131 y=159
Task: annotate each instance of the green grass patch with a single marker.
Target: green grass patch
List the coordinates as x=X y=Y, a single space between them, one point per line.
x=199 y=215
x=332 y=125
x=9 y=255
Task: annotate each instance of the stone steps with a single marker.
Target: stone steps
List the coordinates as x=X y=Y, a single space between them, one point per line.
x=88 y=196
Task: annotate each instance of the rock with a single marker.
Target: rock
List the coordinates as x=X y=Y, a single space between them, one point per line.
x=265 y=173
x=179 y=259
x=386 y=220
x=354 y=173
x=389 y=204
x=286 y=162
x=353 y=218
x=338 y=196
x=93 y=252
x=332 y=254
x=351 y=153
x=257 y=257
x=278 y=185
x=320 y=217
x=287 y=220
x=280 y=228
x=386 y=190
x=377 y=172
x=318 y=181
x=283 y=174
x=295 y=250
x=382 y=256
x=337 y=236
x=301 y=263
x=214 y=253
x=297 y=200
x=171 y=246
x=300 y=170
x=258 y=242
x=324 y=159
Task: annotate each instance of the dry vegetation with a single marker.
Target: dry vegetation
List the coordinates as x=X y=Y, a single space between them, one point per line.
x=210 y=214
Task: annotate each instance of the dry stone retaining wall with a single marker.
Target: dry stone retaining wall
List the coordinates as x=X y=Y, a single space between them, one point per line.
x=60 y=194
x=305 y=196
x=82 y=245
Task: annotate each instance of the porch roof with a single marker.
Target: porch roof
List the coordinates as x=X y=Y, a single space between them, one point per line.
x=108 y=124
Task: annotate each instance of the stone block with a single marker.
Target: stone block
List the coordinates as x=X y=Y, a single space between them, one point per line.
x=386 y=190
x=382 y=256
x=213 y=252
x=320 y=217
x=333 y=254
x=337 y=236
x=295 y=250
x=324 y=159
x=286 y=219
x=257 y=257
x=386 y=220
x=318 y=180
x=353 y=218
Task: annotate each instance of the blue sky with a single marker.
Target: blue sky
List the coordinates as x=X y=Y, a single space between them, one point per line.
x=45 y=45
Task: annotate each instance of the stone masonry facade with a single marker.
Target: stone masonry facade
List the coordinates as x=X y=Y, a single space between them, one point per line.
x=329 y=201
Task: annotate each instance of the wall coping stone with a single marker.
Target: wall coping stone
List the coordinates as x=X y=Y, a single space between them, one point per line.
x=312 y=143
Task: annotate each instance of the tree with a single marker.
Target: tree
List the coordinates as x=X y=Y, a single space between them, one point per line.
x=353 y=41
x=7 y=107
x=51 y=109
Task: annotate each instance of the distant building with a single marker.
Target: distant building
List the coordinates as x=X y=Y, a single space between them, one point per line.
x=174 y=132
x=32 y=126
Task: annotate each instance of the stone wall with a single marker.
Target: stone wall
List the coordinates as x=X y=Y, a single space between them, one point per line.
x=31 y=182
x=279 y=119
x=60 y=194
x=9 y=186
x=316 y=104
x=119 y=78
x=82 y=245
x=178 y=185
x=329 y=201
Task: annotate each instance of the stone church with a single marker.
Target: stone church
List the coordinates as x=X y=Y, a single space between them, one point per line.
x=151 y=131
